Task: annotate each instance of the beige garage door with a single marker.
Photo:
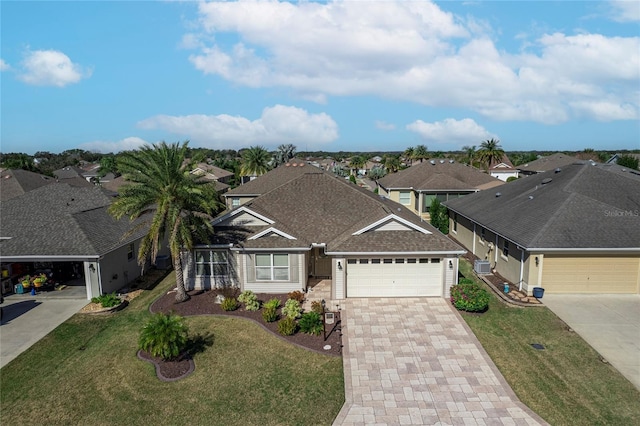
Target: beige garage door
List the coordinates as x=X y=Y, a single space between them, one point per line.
x=566 y=274
x=394 y=277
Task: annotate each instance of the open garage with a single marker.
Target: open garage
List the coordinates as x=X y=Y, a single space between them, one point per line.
x=394 y=277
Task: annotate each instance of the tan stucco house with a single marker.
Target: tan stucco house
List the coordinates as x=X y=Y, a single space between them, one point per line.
x=574 y=229
x=298 y=222
x=416 y=187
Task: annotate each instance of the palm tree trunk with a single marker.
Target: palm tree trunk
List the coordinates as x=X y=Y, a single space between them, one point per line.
x=181 y=292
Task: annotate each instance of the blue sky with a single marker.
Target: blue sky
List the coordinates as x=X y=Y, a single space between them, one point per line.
x=353 y=76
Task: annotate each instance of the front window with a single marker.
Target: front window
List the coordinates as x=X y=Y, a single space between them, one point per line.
x=130 y=251
x=405 y=198
x=212 y=263
x=455 y=222
x=505 y=249
x=235 y=202
x=272 y=267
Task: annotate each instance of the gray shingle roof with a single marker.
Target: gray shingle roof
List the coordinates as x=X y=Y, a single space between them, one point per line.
x=548 y=163
x=61 y=220
x=273 y=179
x=16 y=182
x=583 y=206
x=316 y=207
x=439 y=176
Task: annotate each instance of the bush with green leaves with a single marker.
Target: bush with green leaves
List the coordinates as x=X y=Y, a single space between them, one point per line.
x=250 y=300
x=311 y=323
x=164 y=336
x=287 y=326
x=107 y=300
x=291 y=309
x=229 y=304
x=270 y=314
x=296 y=295
x=316 y=307
x=469 y=296
x=272 y=303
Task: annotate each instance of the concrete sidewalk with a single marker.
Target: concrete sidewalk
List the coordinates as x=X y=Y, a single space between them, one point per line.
x=415 y=361
x=27 y=320
x=609 y=323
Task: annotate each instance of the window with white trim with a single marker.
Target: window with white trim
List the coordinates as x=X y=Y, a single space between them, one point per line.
x=235 y=202
x=505 y=249
x=455 y=222
x=405 y=197
x=212 y=263
x=272 y=267
x=130 y=250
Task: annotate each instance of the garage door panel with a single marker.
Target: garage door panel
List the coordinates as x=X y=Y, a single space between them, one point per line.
x=394 y=279
x=567 y=274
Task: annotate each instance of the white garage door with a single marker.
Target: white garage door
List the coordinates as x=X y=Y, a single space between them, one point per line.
x=572 y=274
x=394 y=277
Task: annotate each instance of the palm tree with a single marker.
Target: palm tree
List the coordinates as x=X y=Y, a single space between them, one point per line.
x=408 y=154
x=357 y=162
x=255 y=161
x=284 y=154
x=164 y=196
x=469 y=152
x=490 y=151
x=391 y=163
x=420 y=153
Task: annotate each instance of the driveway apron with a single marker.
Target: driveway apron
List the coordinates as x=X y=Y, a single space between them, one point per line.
x=415 y=361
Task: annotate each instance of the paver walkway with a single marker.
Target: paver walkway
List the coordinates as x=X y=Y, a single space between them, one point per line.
x=415 y=361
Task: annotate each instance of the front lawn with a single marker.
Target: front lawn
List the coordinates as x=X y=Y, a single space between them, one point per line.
x=86 y=372
x=566 y=383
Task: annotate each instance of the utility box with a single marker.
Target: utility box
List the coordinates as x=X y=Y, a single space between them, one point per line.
x=482 y=267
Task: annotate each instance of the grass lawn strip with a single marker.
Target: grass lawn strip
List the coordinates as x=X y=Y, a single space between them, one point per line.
x=86 y=372
x=566 y=383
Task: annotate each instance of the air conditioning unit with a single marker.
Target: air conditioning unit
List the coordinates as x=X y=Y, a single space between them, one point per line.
x=163 y=262
x=482 y=267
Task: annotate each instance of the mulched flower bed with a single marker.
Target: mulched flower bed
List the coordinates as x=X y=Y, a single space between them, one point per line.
x=203 y=303
x=170 y=371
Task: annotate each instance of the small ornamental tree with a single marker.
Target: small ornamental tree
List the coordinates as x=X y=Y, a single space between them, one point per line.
x=164 y=336
x=439 y=216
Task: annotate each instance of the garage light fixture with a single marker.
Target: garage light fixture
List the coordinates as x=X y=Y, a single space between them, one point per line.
x=339 y=266
x=450 y=265
x=92 y=268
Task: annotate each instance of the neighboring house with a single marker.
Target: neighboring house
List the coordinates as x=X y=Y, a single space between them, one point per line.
x=503 y=169
x=219 y=177
x=15 y=182
x=551 y=162
x=69 y=229
x=305 y=223
x=276 y=177
x=575 y=229
x=615 y=157
x=76 y=176
x=417 y=186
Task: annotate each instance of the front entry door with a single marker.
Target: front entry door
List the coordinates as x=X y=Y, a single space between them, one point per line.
x=320 y=263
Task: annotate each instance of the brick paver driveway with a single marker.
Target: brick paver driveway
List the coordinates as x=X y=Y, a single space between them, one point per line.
x=415 y=361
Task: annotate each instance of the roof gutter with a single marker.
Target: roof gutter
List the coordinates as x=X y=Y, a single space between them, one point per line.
x=393 y=253
x=591 y=249
x=27 y=258
x=270 y=250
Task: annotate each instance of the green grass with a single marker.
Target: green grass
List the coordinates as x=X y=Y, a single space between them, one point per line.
x=86 y=372
x=566 y=383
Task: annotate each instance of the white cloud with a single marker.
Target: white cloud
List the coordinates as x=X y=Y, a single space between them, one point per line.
x=278 y=124
x=105 y=147
x=625 y=10
x=450 y=131
x=414 y=51
x=51 y=68
x=383 y=125
x=4 y=66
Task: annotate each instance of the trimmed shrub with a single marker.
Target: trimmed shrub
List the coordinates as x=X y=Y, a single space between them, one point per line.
x=229 y=304
x=272 y=303
x=466 y=281
x=311 y=323
x=250 y=300
x=229 y=292
x=297 y=296
x=164 y=335
x=287 y=326
x=270 y=314
x=316 y=307
x=107 y=300
x=470 y=297
x=292 y=309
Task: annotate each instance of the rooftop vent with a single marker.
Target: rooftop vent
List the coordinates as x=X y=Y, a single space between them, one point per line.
x=433 y=162
x=558 y=170
x=441 y=161
x=546 y=181
x=531 y=197
x=287 y=165
x=450 y=161
x=294 y=165
x=498 y=194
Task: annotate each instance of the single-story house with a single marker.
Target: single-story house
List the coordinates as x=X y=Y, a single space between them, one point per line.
x=574 y=229
x=548 y=163
x=60 y=227
x=15 y=182
x=308 y=223
x=503 y=169
x=614 y=158
x=416 y=187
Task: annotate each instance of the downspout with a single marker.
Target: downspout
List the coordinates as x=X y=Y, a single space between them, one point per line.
x=473 y=248
x=495 y=254
x=521 y=268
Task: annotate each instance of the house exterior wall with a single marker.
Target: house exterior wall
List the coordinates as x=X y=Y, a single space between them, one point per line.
x=464 y=233
x=297 y=275
x=118 y=268
x=450 y=275
x=504 y=175
x=337 y=286
x=241 y=199
x=413 y=199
